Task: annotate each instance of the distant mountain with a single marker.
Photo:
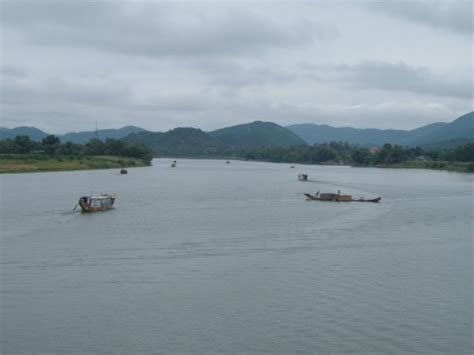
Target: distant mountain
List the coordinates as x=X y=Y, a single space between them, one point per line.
x=313 y=133
x=440 y=134
x=461 y=129
x=179 y=142
x=257 y=134
x=103 y=134
x=35 y=134
x=192 y=141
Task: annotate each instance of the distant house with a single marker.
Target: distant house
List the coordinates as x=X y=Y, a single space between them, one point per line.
x=373 y=150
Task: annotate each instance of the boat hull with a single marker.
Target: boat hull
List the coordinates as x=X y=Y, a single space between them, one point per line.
x=96 y=204
x=87 y=208
x=341 y=198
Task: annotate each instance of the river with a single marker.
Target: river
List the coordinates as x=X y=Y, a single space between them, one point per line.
x=213 y=257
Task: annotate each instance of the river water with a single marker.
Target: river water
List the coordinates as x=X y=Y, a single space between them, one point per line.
x=213 y=257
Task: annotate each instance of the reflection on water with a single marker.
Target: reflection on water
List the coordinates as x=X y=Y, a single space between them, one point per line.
x=213 y=257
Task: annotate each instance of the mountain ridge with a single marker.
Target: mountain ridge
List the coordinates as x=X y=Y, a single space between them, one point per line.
x=82 y=137
x=462 y=129
x=260 y=133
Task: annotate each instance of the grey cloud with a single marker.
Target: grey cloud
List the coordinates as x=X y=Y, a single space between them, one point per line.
x=396 y=77
x=153 y=29
x=12 y=71
x=452 y=15
x=26 y=91
x=160 y=65
x=235 y=75
x=56 y=104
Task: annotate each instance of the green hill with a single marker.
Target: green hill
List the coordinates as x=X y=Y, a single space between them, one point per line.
x=179 y=142
x=103 y=134
x=257 y=134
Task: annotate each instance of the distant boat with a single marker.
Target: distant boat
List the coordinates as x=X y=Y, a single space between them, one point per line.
x=173 y=164
x=227 y=162
x=96 y=203
x=337 y=198
x=292 y=166
x=302 y=177
x=123 y=171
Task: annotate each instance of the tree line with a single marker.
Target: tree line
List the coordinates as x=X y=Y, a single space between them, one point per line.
x=52 y=146
x=330 y=153
x=345 y=153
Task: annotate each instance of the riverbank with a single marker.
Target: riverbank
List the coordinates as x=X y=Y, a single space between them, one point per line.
x=18 y=163
x=460 y=167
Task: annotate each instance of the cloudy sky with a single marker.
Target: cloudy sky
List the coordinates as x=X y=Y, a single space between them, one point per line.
x=393 y=64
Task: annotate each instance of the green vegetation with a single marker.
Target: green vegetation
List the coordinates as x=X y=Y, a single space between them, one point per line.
x=394 y=156
x=24 y=155
x=180 y=142
x=256 y=134
x=51 y=154
x=26 y=163
x=231 y=141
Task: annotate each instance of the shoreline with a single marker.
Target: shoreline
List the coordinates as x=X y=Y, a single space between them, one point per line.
x=459 y=167
x=10 y=164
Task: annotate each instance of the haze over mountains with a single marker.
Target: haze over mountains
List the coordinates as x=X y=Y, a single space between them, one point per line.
x=193 y=141
x=457 y=132
x=73 y=137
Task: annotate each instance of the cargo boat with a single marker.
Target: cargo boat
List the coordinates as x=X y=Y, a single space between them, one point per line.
x=337 y=197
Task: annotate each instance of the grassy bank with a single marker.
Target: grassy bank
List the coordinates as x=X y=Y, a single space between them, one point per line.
x=27 y=163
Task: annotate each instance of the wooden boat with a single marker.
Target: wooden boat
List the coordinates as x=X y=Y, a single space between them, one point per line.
x=337 y=198
x=302 y=177
x=101 y=202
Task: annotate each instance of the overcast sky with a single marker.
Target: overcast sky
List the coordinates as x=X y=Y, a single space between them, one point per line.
x=159 y=65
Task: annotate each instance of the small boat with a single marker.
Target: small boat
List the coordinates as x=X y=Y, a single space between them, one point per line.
x=292 y=166
x=337 y=197
x=123 y=171
x=96 y=203
x=227 y=162
x=302 y=177
x=173 y=164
